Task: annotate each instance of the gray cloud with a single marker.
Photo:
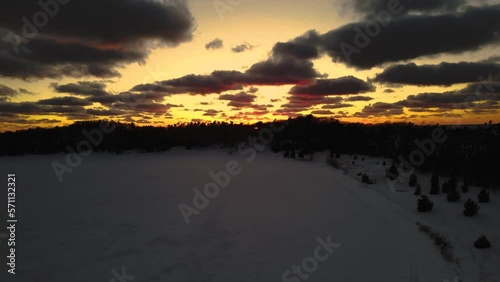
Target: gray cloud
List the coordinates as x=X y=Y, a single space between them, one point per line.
x=442 y=74
x=339 y=86
x=214 y=44
x=88 y=38
x=406 y=37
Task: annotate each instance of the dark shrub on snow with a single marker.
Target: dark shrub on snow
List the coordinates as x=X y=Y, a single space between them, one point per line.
x=424 y=204
x=482 y=243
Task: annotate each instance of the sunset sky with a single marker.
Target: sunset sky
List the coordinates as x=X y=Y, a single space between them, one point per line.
x=158 y=62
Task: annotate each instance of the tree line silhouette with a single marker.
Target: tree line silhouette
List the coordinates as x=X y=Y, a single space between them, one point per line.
x=470 y=152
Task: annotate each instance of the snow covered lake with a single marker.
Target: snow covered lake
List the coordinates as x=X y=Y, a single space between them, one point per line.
x=277 y=220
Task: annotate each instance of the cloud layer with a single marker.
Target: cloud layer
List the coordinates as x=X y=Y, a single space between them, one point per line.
x=60 y=40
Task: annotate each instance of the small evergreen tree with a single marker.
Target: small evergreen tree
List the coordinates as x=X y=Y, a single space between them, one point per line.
x=453 y=183
x=465 y=188
x=384 y=163
x=453 y=195
x=286 y=154
x=301 y=154
x=424 y=204
x=337 y=155
x=483 y=196
x=418 y=189
x=413 y=180
x=434 y=184
x=292 y=155
x=445 y=187
x=482 y=243
x=470 y=208
x=393 y=172
x=365 y=179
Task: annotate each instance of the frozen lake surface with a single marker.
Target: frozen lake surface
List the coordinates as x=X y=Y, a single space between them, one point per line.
x=122 y=211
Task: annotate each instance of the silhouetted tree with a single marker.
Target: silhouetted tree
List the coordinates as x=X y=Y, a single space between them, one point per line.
x=418 y=189
x=470 y=208
x=482 y=243
x=453 y=195
x=413 y=179
x=465 y=188
x=445 y=187
x=424 y=204
x=286 y=154
x=434 y=184
x=483 y=196
x=393 y=172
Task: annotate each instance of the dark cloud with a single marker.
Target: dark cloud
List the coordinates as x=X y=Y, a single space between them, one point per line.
x=460 y=99
x=87 y=38
x=16 y=122
x=104 y=112
x=124 y=105
x=304 y=47
x=6 y=91
x=358 y=98
x=476 y=98
x=253 y=90
x=214 y=44
x=370 y=6
x=380 y=109
x=404 y=38
x=240 y=100
x=442 y=74
x=242 y=48
x=337 y=106
x=83 y=88
x=211 y=113
x=280 y=71
x=322 y=112
x=33 y=108
x=299 y=103
x=25 y=91
x=65 y=101
x=339 y=86
x=389 y=91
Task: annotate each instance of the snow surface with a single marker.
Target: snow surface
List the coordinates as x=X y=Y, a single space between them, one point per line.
x=117 y=211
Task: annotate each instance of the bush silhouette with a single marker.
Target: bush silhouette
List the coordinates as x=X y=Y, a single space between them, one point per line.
x=445 y=187
x=482 y=243
x=470 y=208
x=483 y=196
x=365 y=178
x=453 y=195
x=418 y=189
x=286 y=154
x=413 y=180
x=393 y=172
x=465 y=188
x=435 y=184
x=424 y=204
